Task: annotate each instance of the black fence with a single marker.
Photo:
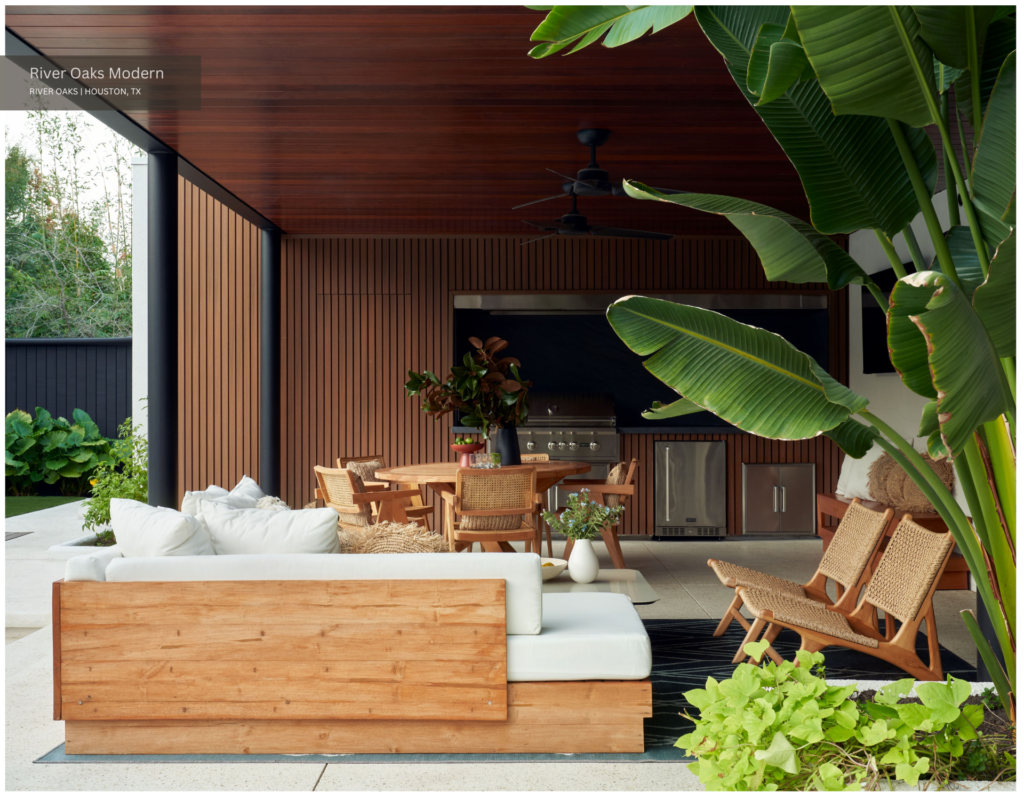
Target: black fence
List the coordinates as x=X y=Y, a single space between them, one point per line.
x=61 y=375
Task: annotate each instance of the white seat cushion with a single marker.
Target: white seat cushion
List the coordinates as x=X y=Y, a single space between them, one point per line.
x=142 y=531
x=521 y=572
x=245 y=531
x=589 y=636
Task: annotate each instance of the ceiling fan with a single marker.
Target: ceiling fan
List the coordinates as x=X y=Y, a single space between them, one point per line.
x=591 y=181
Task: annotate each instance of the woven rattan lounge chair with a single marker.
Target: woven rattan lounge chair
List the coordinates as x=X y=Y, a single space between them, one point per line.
x=338 y=488
x=416 y=508
x=847 y=561
x=489 y=505
x=901 y=587
x=612 y=494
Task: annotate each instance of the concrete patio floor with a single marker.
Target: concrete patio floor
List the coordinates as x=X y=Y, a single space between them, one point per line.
x=677 y=571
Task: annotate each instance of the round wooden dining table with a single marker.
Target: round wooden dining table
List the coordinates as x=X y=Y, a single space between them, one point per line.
x=440 y=477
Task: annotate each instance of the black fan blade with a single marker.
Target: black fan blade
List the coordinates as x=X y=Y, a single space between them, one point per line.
x=574 y=180
x=628 y=234
x=542 y=200
x=538 y=238
x=546 y=226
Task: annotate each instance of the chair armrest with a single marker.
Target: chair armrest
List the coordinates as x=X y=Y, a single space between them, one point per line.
x=377 y=496
x=375 y=486
x=603 y=488
x=319 y=494
x=449 y=497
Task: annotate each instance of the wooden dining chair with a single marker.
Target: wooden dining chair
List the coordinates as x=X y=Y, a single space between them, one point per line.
x=616 y=494
x=415 y=508
x=847 y=562
x=339 y=489
x=902 y=587
x=489 y=505
x=542 y=504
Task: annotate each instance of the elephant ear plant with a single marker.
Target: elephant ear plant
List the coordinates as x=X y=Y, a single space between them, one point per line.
x=487 y=391
x=847 y=92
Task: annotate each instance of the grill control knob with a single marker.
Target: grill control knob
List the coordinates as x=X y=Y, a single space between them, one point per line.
x=552 y=445
x=595 y=445
x=574 y=446
x=562 y=445
x=531 y=445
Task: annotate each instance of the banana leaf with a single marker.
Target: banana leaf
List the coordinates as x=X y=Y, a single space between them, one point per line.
x=996 y=299
x=945 y=29
x=789 y=248
x=854 y=438
x=584 y=25
x=1000 y=41
x=679 y=408
x=749 y=377
x=965 y=258
x=850 y=168
x=870 y=60
x=994 y=169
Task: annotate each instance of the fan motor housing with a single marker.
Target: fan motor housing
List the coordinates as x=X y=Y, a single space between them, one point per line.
x=596 y=185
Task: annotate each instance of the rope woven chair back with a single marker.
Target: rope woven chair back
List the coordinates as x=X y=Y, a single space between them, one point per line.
x=341 y=462
x=491 y=489
x=336 y=485
x=909 y=567
x=853 y=544
x=528 y=457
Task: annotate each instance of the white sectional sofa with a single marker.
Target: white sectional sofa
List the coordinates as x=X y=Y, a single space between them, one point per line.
x=220 y=641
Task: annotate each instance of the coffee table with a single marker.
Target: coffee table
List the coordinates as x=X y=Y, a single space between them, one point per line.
x=619 y=581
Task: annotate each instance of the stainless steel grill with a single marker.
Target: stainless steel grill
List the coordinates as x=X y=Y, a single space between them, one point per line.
x=572 y=427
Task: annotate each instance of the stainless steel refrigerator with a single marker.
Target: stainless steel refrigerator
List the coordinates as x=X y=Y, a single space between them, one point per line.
x=689 y=489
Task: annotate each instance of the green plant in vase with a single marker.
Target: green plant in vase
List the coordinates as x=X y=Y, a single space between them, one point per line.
x=847 y=92
x=583 y=518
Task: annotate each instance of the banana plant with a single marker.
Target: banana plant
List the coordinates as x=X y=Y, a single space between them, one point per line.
x=847 y=92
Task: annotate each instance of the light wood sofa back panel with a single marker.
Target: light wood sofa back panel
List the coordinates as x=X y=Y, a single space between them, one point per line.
x=284 y=650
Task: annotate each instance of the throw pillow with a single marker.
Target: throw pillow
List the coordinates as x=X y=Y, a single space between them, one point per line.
x=393 y=537
x=891 y=486
x=143 y=531
x=248 y=488
x=269 y=503
x=247 y=531
x=364 y=517
x=365 y=469
x=853 y=475
x=190 y=502
x=616 y=477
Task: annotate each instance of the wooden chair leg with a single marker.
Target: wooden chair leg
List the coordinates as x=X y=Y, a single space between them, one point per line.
x=611 y=541
x=752 y=634
x=934 y=654
x=728 y=616
x=568 y=548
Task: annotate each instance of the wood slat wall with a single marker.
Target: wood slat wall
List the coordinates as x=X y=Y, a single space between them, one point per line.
x=218 y=342
x=359 y=312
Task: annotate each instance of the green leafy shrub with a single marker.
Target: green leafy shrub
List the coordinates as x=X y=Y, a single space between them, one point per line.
x=781 y=727
x=583 y=518
x=125 y=477
x=48 y=450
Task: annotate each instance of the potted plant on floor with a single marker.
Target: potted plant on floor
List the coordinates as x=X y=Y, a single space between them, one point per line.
x=487 y=391
x=582 y=520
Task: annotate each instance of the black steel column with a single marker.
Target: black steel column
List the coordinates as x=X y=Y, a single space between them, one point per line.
x=270 y=362
x=163 y=329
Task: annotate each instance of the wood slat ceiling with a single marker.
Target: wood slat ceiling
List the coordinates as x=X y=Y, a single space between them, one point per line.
x=392 y=120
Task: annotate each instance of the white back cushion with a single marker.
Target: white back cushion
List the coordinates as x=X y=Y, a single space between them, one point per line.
x=190 y=502
x=521 y=572
x=853 y=476
x=142 y=531
x=247 y=487
x=252 y=531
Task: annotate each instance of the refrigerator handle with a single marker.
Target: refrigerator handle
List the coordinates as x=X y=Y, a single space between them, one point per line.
x=668 y=483
x=775 y=498
x=783 y=499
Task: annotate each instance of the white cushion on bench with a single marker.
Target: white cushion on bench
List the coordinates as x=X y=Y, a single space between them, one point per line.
x=92 y=567
x=589 y=636
x=521 y=572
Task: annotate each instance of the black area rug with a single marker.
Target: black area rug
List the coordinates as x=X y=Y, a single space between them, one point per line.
x=685 y=654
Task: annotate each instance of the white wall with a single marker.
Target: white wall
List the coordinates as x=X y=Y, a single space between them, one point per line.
x=890 y=399
x=140 y=292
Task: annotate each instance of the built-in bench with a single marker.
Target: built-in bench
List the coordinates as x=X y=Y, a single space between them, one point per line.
x=437 y=653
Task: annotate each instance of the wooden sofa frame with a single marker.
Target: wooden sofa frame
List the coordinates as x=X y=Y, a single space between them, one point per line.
x=376 y=666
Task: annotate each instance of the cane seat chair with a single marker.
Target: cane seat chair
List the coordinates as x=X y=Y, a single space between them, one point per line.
x=542 y=503
x=847 y=561
x=609 y=494
x=416 y=508
x=902 y=587
x=489 y=505
x=345 y=492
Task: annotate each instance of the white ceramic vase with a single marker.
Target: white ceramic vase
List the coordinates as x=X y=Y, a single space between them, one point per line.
x=583 y=564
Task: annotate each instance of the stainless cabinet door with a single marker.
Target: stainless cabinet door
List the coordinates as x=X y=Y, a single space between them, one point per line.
x=797 y=496
x=761 y=498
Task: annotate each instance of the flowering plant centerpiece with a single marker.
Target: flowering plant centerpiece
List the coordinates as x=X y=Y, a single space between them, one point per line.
x=583 y=518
